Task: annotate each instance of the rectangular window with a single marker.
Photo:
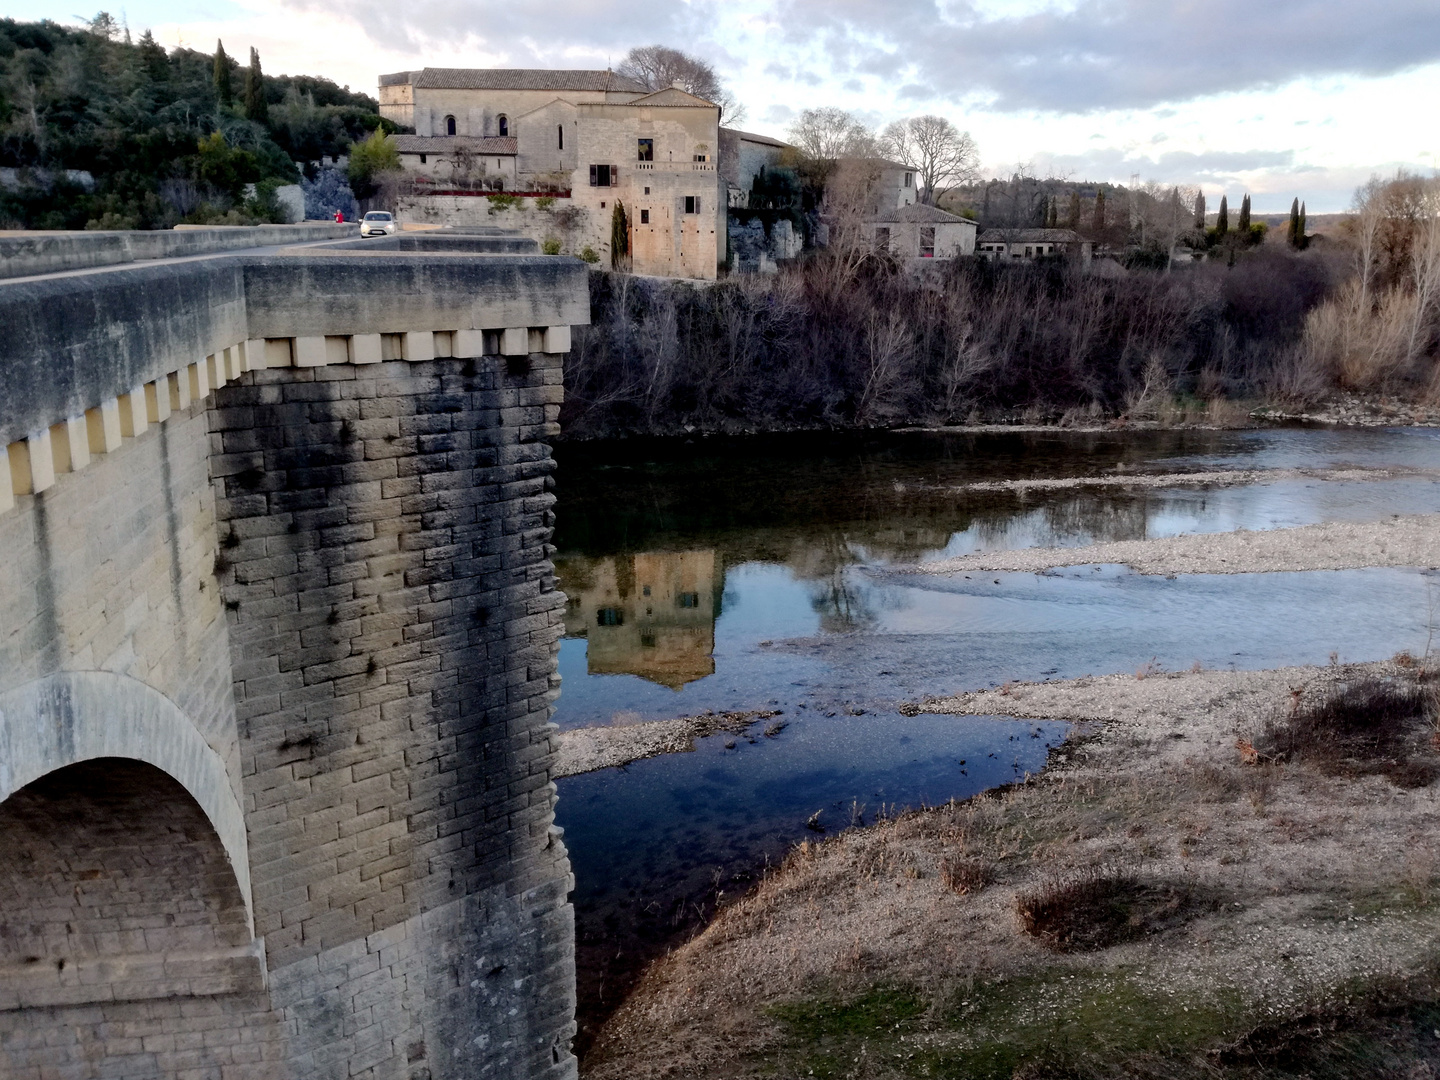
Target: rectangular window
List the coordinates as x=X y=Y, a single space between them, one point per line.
x=882 y=239
x=702 y=157
x=687 y=600
x=647 y=150
x=927 y=241
x=647 y=191
x=609 y=616
x=909 y=179
x=692 y=204
x=599 y=175
x=422 y=159
x=645 y=220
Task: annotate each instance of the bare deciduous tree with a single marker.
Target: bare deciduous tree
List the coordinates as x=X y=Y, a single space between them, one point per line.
x=1369 y=209
x=828 y=134
x=940 y=154
x=849 y=198
x=1164 y=215
x=1425 y=262
x=659 y=66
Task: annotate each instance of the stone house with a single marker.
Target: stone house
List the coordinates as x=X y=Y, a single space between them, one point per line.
x=917 y=231
x=1032 y=244
x=585 y=139
x=893 y=184
x=743 y=156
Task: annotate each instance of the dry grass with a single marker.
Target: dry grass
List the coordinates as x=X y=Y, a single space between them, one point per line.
x=1372 y=725
x=1103 y=906
x=964 y=876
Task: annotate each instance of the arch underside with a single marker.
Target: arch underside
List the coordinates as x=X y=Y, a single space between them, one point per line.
x=71 y=717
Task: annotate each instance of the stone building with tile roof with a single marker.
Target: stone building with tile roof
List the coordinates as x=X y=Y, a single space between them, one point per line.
x=583 y=140
x=918 y=231
x=1032 y=244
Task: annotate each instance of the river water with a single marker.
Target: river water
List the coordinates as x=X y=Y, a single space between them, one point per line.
x=759 y=574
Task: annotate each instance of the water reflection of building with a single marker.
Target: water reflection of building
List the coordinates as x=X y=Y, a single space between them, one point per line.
x=651 y=615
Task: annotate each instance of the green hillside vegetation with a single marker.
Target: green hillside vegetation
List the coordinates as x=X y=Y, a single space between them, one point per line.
x=169 y=137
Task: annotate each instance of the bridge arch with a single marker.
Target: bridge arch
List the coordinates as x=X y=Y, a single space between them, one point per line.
x=114 y=887
x=69 y=718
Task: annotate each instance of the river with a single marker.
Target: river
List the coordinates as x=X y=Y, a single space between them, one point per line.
x=760 y=573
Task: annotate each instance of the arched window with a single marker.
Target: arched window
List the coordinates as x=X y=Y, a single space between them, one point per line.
x=560 y=135
x=504 y=125
x=449 y=125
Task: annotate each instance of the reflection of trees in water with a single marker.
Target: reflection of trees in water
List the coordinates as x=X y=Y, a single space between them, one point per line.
x=917 y=531
x=1058 y=520
x=841 y=606
x=1097 y=520
x=903 y=527
x=824 y=563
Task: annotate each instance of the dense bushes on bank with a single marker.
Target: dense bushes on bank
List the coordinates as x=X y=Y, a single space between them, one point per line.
x=823 y=344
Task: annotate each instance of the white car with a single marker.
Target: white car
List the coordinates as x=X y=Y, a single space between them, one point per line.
x=377 y=223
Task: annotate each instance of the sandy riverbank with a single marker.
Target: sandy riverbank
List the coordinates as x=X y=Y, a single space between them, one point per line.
x=899 y=950
x=1205 y=479
x=584 y=750
x=1412 y=540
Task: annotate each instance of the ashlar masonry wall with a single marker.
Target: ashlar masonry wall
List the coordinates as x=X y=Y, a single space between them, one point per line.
x=394 y=627
x=278 y=628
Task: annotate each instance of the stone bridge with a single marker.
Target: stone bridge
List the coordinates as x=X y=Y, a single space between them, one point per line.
x=278 y=627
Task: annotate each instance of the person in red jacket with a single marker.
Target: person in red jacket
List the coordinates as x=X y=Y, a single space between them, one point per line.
x=339 y=217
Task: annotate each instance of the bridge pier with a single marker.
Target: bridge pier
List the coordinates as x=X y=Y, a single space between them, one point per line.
x=383 y=535
x=278 y=629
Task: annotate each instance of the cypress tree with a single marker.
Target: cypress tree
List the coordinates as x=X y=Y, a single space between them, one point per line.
x=1222 y=219
x=1072 y=214
x=1200 y=210
x=1099 y=212
x=1050 y=215
x=1292 y=229
x=1304 y=241
x=619 y=236
x=221 y=75
x=256 y=107
x=1245 y=218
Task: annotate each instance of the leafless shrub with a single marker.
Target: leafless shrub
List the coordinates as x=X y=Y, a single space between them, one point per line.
x=1102 y=906
x=850 y=338
x=1368 y=726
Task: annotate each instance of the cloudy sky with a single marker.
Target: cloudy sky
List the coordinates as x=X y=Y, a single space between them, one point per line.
x=1276 y=97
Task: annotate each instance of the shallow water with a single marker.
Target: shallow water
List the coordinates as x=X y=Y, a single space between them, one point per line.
x=758 y=574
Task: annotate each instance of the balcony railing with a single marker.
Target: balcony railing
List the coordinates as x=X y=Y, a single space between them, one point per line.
x=675 y=166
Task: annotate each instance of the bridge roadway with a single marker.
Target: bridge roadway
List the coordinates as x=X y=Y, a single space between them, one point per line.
x=278 y=630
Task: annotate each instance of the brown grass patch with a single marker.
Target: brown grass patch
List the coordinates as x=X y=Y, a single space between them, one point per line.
x=1101 y=907
x=1364 y=727
x=964 y=876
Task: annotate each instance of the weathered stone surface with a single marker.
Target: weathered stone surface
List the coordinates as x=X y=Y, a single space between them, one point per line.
x=275 y=673
x=23 y=254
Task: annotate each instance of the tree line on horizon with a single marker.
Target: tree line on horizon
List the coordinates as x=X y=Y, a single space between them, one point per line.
x=168 y=136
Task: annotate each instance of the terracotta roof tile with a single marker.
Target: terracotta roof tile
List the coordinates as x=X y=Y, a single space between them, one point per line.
x=513 y=79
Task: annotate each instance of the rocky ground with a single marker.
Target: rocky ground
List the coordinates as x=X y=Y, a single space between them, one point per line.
x=584 y=750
